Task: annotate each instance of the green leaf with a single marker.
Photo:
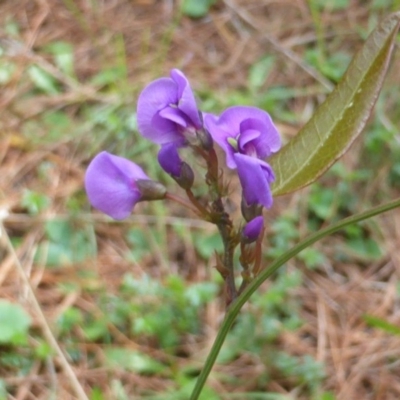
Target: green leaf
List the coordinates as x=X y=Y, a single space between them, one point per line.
x=259 y=72
x=131 y=360
x=43 y=80
x=196 y=8
x=14 y=322
x=63 y=55
x=380 y=323
x=341 y=118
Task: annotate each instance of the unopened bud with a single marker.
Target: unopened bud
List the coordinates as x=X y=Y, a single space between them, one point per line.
x=252 y=230
x=251 y=211
x=151 y=190
x=205 y=139
x=186 y=178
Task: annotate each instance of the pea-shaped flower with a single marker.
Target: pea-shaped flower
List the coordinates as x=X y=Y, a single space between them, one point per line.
x=248 y=136
x=114 y=185
x=167 y=110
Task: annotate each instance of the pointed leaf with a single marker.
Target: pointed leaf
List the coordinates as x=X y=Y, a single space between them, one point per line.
x=341 y=118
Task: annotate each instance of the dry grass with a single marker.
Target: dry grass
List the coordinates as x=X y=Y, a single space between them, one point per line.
x=215 y=52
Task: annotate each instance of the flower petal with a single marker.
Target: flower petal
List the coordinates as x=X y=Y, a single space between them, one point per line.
x=169 y=159
x=110 y=184
x=154 y=98
x=252 y=229
x=175 y=115
x=187 y=102
x=220 y=133
x=244 y=120
x=247 y=137
x=255 y=177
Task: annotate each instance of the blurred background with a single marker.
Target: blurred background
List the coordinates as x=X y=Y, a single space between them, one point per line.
x=136 y=304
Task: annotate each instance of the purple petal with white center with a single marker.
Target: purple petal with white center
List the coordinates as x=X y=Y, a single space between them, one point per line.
x=241 y=120
x=110 y=184
x=252 y=229
x=267 y=141
x=169 y=159
x=255 y=178
x=187 y=101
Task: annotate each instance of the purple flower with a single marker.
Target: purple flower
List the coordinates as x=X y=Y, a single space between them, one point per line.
x=167 y=110
x=110 y=183
x=247 y=135
x=252 y=229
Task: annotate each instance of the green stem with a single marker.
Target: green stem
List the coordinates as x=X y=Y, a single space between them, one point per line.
x=236 y=306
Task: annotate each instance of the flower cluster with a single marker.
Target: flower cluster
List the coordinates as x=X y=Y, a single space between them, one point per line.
x=167 y=114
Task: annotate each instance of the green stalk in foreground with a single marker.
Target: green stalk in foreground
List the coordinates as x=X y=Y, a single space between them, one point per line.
x=236 y=306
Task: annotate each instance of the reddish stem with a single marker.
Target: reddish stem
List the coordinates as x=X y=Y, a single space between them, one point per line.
x=182 y=202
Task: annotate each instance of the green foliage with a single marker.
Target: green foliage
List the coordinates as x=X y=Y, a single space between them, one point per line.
x=132 y=360
x=71 y=317
x=43 y=80
x=144 y=308
x=96 y=394
x=312 y=258
x=166 y=311
x=196 y=8
x=259 y=72
x=66 y=243
x=207 y=245
x=330 y=5
x=63 y=56
x=14 y=322
x=34 y=202
x=305 y=369
x=271 y=313
x=53 y=126
x=3 y=390
x=285 y=233
x=42 y=350
x=341 y=118
x=382 y=324
x=333 y=67
x=7 y=69
x=260 y=396
x=138 y=244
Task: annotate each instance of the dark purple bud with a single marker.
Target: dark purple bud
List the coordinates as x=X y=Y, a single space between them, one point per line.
x=185 y=181
x=205 y=139
x=170 y=162
x=151 y=190
x=252 y=230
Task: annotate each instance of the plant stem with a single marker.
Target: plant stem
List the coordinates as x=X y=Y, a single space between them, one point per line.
x=225 y=230
x=183 y=202
x=236 y=306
